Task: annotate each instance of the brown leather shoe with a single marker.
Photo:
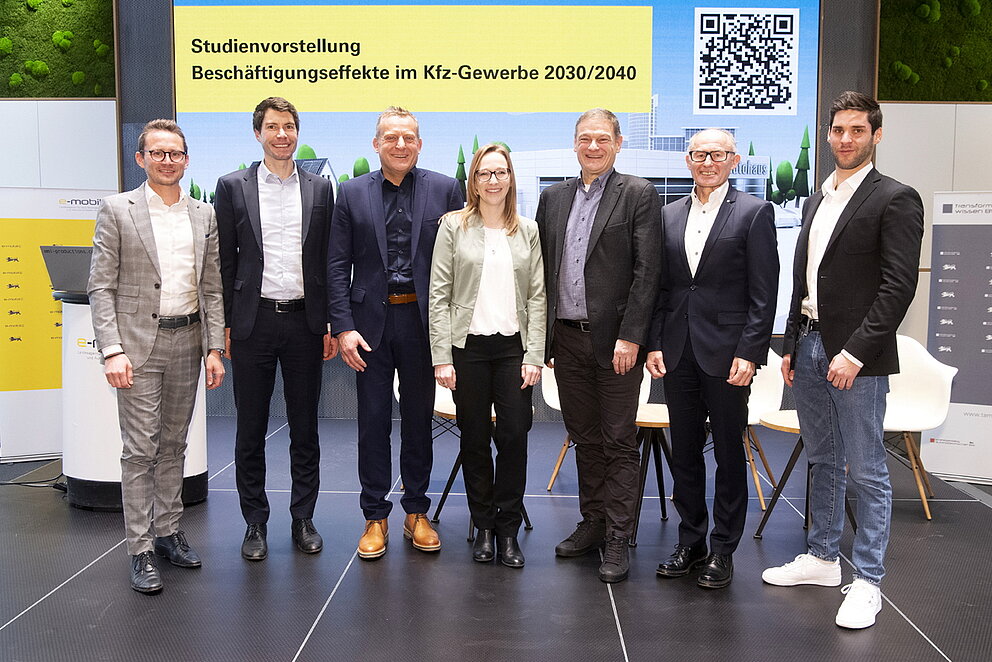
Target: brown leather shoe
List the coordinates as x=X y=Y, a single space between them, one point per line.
x=372 y=544
x=417 y=529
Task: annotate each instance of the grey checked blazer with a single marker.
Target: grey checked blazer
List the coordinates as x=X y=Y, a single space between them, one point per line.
x=125 y=281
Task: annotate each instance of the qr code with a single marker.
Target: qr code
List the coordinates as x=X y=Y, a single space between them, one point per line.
x=745 y=61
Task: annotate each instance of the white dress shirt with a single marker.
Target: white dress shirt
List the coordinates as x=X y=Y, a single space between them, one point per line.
x=700 y=222
x=835 y=199
x=280 y=210
x=173 y=233
x=496 y=305
x=176 y=258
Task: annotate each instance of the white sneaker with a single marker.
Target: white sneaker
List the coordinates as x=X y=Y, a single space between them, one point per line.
x=858 y=610
x=805 y=569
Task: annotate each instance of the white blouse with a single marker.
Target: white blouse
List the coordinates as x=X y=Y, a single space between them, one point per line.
x=496 y=306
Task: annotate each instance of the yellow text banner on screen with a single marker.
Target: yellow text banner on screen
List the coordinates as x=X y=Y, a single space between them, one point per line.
x=428 y=58
x=31 y=320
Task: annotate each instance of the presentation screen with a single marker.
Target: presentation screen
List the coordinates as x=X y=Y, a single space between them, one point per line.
x=519 y=73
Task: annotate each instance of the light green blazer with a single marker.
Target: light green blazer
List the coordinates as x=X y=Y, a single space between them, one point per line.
x=456 y=271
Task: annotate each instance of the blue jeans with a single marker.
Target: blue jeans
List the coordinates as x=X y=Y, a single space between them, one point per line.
x=843 y=428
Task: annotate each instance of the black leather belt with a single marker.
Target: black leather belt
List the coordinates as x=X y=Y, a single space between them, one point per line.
x=290 y=306
x=806 y=325
x=581 y=325
x=178 y=322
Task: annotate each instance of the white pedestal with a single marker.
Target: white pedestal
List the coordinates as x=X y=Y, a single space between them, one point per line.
x=91 y=434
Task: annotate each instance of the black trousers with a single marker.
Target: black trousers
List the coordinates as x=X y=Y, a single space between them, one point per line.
x=599 y=408
x=487 y=375
x=692 y=396
x=284 y=339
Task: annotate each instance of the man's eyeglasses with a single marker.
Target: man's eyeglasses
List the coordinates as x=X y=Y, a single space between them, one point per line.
x=483 y=176
x=716 y=156
x=159 y=155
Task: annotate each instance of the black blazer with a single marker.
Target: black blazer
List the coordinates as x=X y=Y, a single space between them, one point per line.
x=241 y=258
x=357 y=257
x=622 y=261
x=728 y=308
x=868 y=275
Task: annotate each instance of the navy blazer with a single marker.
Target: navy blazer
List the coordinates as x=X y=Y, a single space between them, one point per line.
x=868 y=274
x=728 y=307
x=241 y=257
x=357 y=257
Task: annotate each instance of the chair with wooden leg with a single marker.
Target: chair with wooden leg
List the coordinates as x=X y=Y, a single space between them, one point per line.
x=766 y=396
x=918 y=399
x=549 y=389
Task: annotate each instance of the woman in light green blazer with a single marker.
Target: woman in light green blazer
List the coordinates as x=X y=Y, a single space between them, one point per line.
x=487 y=323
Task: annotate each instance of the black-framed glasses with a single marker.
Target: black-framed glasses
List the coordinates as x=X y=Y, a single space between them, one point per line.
x=483 y=176
x=159 y=155
x=716 y=156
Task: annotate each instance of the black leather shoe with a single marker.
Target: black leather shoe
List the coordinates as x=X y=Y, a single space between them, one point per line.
x=509 y=552
x=684 y=559
x=588 y=535
x=306 y=537
x=717 y=571
x=144 y=574
x=616 y=560
x=254 y=547
x=177 y=550
x=483 y=550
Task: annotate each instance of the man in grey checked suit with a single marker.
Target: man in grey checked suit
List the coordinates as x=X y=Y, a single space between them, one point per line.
x=157 y=306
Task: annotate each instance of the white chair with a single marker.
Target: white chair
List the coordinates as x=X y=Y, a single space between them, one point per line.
x=549 y=389
x=919 y=397
x=766 y=396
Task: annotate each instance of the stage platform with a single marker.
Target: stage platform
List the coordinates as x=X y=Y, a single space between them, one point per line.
x=64 y=592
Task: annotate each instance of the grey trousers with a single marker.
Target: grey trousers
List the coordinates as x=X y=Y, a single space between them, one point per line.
x=154 y=415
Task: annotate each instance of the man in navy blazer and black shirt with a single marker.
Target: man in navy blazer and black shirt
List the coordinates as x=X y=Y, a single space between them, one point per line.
x=855 y=274
x=273 y=220
x=378 y=277
x=711 y=330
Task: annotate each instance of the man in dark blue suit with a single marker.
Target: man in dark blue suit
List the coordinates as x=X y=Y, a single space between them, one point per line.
x=272 y=221
x=712 y=327
x=378 y=277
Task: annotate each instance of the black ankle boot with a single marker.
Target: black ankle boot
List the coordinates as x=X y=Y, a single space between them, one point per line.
x=509 y=552
x=483 y=550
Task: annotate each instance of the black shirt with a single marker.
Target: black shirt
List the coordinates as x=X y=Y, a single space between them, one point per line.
x=397 y=202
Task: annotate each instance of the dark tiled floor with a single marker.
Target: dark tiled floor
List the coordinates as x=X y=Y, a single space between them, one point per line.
x=64 y=592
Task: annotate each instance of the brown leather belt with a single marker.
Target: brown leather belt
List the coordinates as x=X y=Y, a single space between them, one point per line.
x=403 y=298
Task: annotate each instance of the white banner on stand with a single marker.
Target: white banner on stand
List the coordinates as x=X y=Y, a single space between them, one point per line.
x=960 y=334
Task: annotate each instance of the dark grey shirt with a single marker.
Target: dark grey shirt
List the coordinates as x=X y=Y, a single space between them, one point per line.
x=571 y=273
